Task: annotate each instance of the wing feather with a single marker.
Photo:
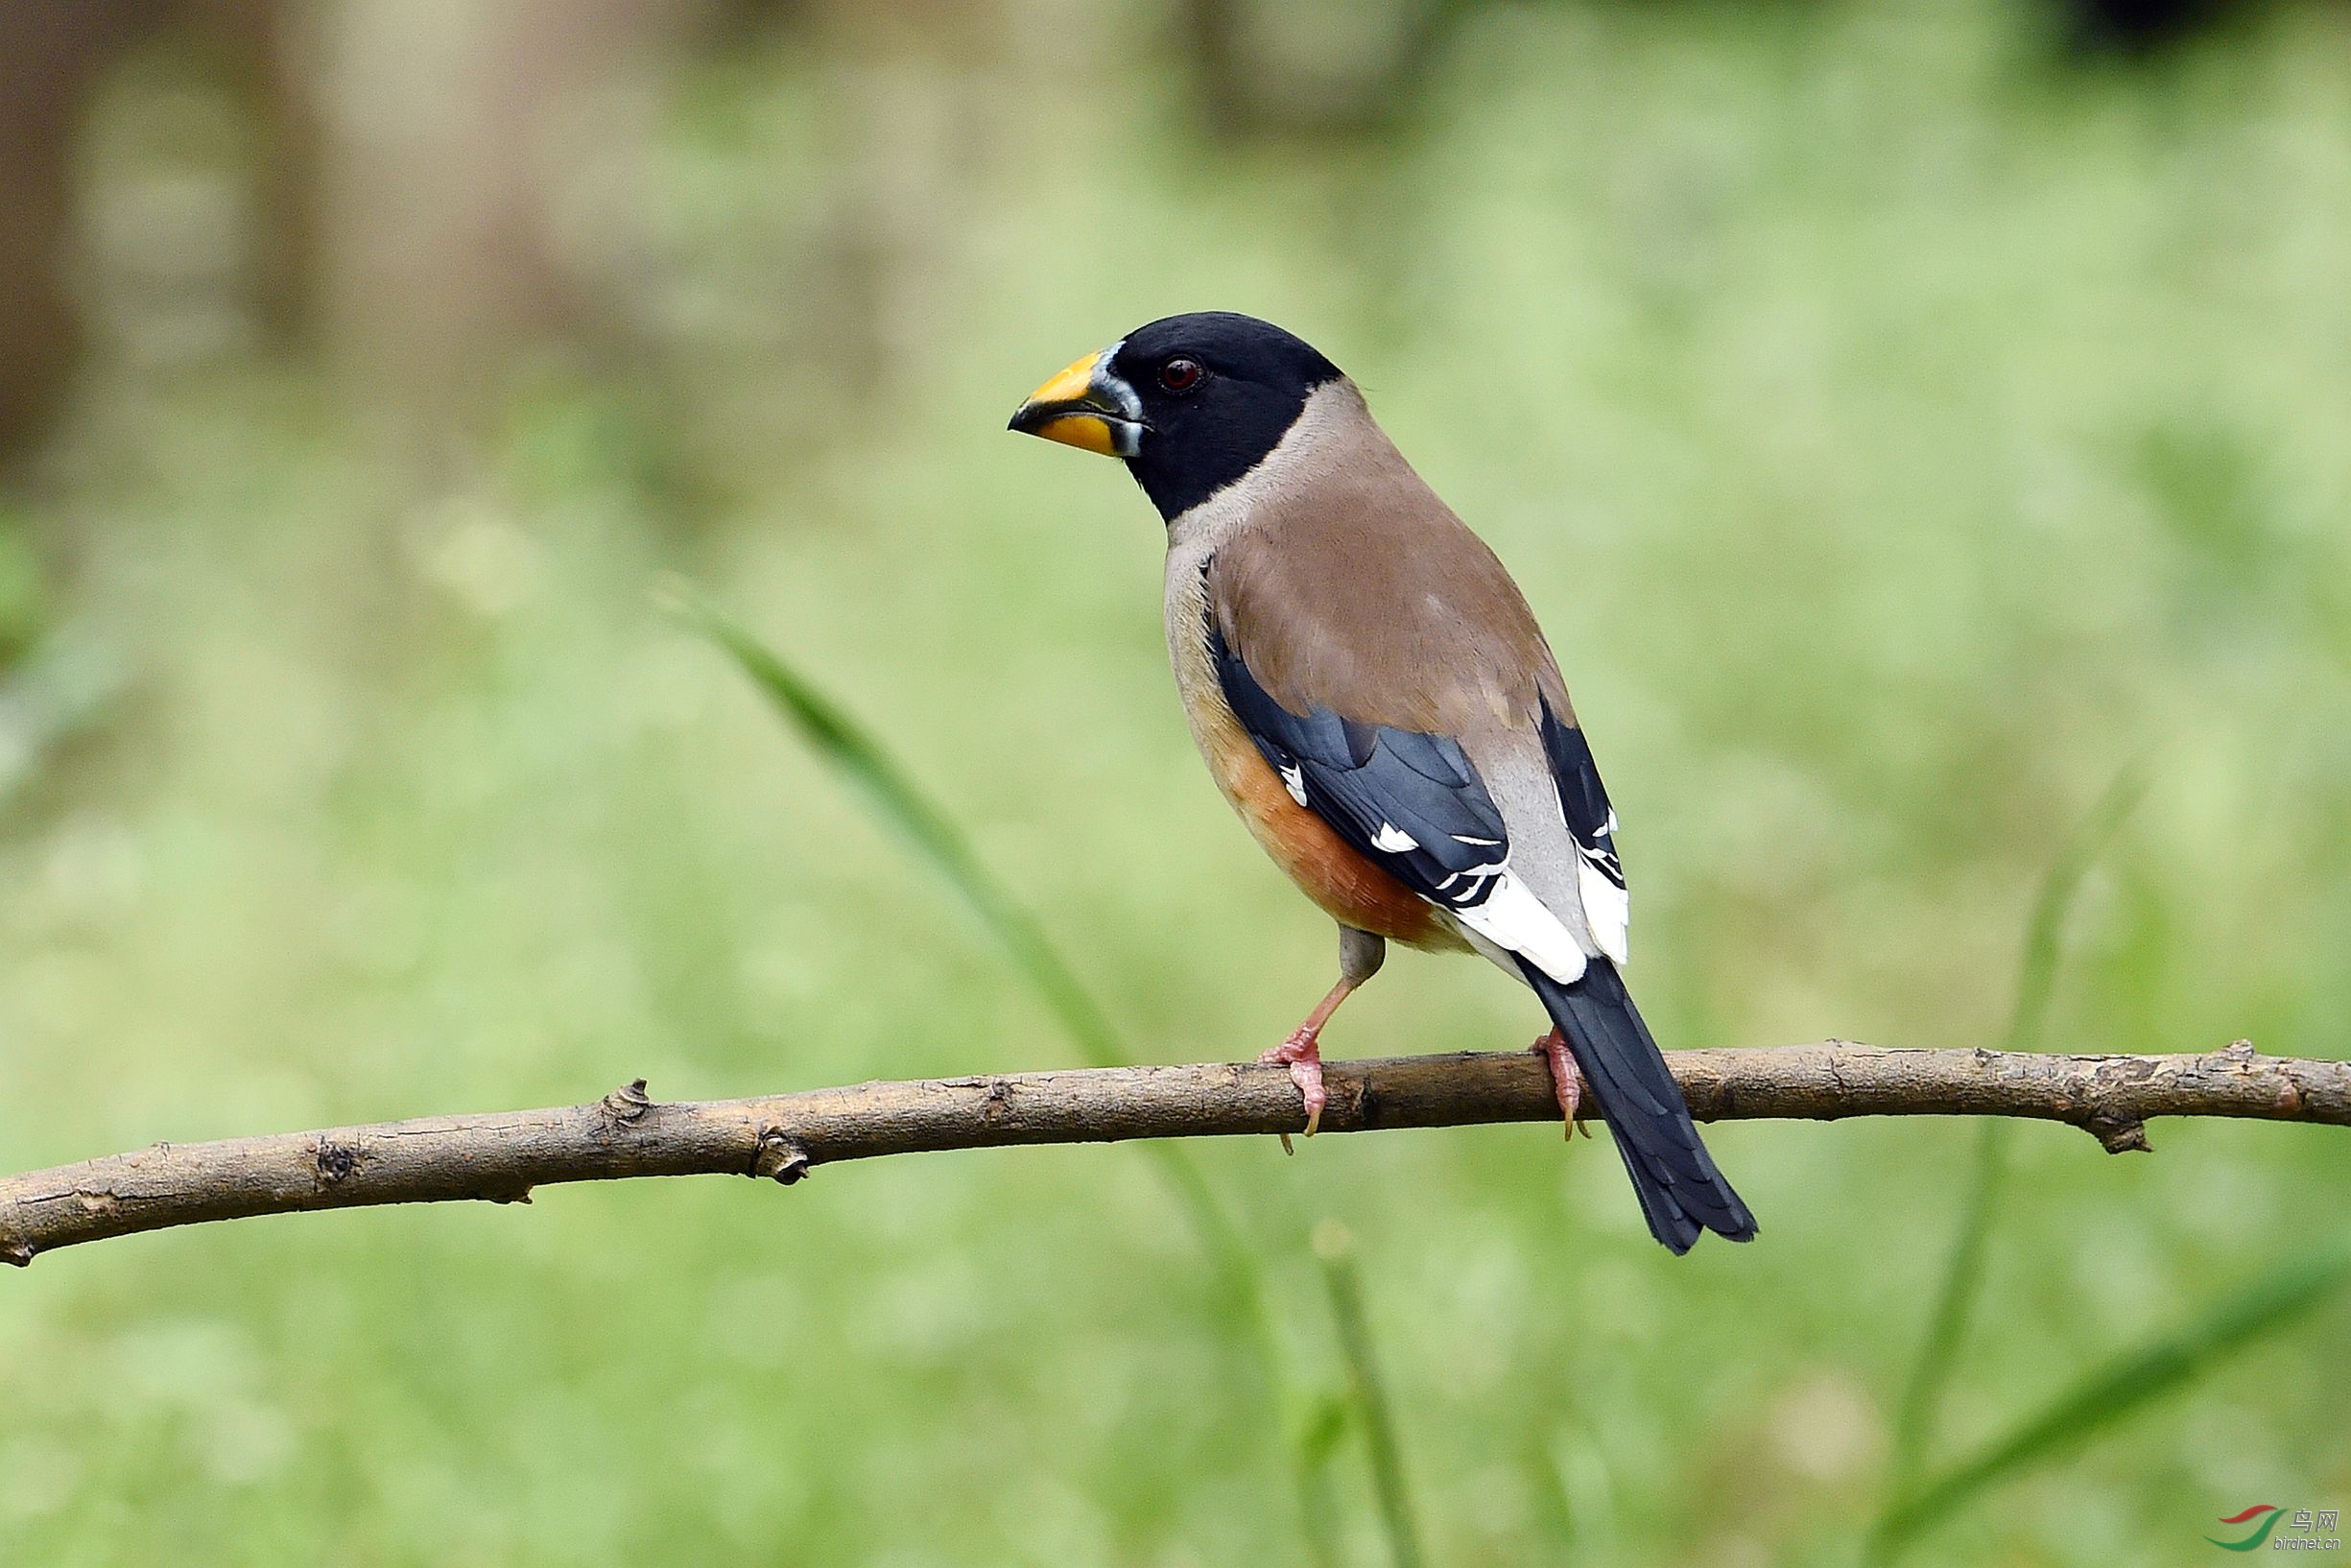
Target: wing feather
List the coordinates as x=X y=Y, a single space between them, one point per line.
x=1413 y=804
x=1600 y=875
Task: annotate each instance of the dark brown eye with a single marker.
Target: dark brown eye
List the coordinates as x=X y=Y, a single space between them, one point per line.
x=1181 y=375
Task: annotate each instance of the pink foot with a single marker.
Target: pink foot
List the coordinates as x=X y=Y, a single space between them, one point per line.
x=1304 y=1057
x=1553 y=1048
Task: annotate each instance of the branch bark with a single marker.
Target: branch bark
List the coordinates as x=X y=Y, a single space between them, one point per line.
x=501 y=1158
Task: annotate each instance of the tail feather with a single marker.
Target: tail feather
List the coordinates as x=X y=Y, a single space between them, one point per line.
x=1681 y=1191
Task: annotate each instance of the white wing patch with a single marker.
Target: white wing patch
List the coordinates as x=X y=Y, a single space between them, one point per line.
x=1293 y=779
x=1511 y=918
x=1608 y=908
x=1393 y=838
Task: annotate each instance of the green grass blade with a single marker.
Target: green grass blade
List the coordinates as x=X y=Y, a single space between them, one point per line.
x=1963 y=1271
x=1337 y=1251
x=1321 y=1422
x=2269 y=1303
x=860 y=758
x=1955 y=1306
x=2044 y=930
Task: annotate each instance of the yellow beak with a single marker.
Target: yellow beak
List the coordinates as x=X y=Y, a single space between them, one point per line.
x=1087 y=406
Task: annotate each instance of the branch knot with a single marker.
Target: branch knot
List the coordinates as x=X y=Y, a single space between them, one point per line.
x=626 y=1106
x=2120 y=1135
x=334 y=1162
x=781 y=1158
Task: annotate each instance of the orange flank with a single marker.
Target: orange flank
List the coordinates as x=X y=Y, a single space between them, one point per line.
x=1350 y=888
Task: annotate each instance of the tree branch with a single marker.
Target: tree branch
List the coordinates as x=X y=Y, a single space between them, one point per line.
x=502 y=1157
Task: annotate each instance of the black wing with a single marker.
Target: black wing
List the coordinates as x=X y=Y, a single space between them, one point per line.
x=1378 y=786
x=1410 y=802
x=1582 y=798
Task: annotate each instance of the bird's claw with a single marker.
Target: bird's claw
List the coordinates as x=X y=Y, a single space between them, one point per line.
x=1564 y=1083
x=1302 y=1055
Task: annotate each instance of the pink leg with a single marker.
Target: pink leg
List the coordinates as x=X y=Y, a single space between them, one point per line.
x=1553 y=1048
x=1303 y=1053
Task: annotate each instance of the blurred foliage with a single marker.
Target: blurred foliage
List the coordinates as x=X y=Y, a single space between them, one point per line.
x=2037 y=980
x=2284 y=1294
x=1374 y=1412
x=935 y=839
x=21 y=592
x=1896 y=432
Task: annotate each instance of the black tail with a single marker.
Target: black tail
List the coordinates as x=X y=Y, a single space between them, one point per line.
x=1680 y=1190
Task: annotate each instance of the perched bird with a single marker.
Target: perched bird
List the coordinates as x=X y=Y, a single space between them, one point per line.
x=1374 y=697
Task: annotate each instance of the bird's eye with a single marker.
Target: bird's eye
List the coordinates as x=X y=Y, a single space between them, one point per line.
x=1181 y=375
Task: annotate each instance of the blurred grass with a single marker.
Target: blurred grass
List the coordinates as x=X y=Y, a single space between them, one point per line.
x=1343 y=1280
x=2284 y=1293
x=852 y=749
x=1890 y=431
x=1920 y=1405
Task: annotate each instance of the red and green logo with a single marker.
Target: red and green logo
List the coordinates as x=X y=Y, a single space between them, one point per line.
x=2269 y=1513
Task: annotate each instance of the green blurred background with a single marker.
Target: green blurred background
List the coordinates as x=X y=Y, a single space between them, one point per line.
x=1900 y=416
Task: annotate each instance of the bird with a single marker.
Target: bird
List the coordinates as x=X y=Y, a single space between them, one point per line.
x=1374 y=697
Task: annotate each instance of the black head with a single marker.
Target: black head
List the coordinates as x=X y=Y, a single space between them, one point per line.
x=1191 y=402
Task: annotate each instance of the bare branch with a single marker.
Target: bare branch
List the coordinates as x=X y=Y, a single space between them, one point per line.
x=502 y=1157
